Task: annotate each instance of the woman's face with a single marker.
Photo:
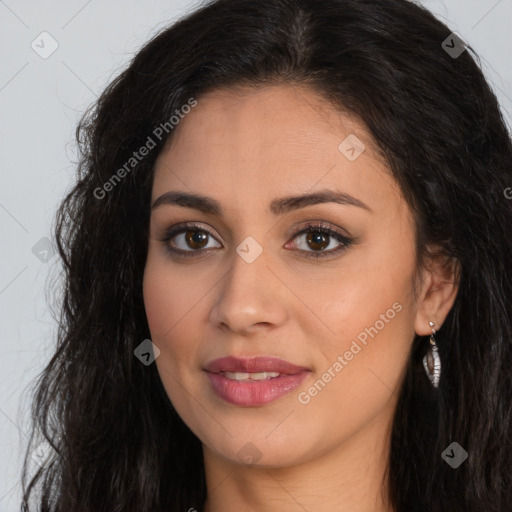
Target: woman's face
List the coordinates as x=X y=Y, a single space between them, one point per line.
x=249 y=282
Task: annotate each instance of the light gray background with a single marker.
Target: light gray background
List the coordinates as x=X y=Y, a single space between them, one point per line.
x=41 y=101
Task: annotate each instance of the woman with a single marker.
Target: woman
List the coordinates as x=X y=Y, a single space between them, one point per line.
x=288 y=273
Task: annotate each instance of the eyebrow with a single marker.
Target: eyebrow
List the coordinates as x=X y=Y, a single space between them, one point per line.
x=278 y=206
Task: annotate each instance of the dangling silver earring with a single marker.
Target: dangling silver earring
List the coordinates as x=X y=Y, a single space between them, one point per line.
x=432 y=361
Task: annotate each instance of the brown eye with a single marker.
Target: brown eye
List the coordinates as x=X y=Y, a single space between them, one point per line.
x=317 y=241
x=196 y=239
x=317 y=238
x=188 y=239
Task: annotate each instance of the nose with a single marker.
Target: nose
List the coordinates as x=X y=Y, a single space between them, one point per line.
x=250 y=297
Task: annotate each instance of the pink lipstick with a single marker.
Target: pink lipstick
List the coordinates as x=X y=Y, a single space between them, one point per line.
x=253 y=381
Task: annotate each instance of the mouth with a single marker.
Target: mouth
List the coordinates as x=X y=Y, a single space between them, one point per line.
x=253 y=381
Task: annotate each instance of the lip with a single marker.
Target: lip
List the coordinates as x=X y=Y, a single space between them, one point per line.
x=255 y=393
x=253 y=365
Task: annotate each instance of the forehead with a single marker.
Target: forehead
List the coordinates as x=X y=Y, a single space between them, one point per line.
x=246 y=141
x=268 y=119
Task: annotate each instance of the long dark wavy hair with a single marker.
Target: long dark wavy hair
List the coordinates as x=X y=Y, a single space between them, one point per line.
x=118 y=444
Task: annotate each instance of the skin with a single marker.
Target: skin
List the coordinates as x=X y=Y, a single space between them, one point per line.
x=245 y=148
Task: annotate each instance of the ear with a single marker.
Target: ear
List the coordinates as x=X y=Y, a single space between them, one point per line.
x=439 y=283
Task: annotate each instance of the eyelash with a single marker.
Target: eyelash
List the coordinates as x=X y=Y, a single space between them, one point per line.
x=310 y=228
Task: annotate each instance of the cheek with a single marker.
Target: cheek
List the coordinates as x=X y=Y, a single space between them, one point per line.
x=166 y=310
x=171 y=295
x=368 y=294
x=372 y=334
x=158 y=301
x=371 y=309
x=361 y=368
x=174 y=301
